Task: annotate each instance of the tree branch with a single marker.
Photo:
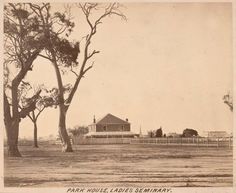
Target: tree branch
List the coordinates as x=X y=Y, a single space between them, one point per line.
x=87 y=9
x=30 y=117
x=31 y=106
x=229 y=104
x=87 y=69
x=40 y=111
x=93 y=53
x=71 y=69
x=45 y=57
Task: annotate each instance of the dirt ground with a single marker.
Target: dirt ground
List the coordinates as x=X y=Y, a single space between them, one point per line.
x=120 y=165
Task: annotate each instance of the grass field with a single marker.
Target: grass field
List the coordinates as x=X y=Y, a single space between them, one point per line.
x=120 y=165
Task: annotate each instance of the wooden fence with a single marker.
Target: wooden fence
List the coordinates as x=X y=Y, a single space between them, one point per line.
x=194 y=141
x=91 y=141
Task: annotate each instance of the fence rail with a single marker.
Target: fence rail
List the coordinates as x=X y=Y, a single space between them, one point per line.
x=194 y=141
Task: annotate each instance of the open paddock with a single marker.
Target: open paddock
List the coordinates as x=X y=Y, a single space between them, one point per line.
x=125 y=165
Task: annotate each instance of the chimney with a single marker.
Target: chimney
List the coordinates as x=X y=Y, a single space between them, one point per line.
x=127 y=120
x=94 y=119
x=140 y=132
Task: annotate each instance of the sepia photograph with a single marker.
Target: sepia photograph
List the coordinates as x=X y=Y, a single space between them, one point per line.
x=126 y=97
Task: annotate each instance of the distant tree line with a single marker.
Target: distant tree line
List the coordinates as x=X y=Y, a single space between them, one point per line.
x=159 y=133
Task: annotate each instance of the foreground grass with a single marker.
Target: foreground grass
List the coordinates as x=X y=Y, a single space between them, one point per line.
x=120 y=165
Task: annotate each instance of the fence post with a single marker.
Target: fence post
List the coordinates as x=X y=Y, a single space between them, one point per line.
x=217 y=142
x=167 y=141
x=229 y=142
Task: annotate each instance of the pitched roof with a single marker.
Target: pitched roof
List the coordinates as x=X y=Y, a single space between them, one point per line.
x=111 y=119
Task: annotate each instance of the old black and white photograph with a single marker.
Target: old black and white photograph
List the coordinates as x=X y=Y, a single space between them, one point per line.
x=117 y=95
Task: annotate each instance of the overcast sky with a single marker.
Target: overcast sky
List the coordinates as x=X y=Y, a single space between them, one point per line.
x=168 y=65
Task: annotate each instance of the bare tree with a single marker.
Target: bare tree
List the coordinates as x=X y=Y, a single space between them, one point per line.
x=88 y=9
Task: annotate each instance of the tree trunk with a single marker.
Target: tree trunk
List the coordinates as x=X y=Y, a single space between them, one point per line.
x=35 y=135
x=66 y=144
x=34 y=119
x=12 y=130
x=12 y=120
x=65 y=140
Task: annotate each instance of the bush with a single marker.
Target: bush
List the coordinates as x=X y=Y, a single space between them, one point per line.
x=189 y=133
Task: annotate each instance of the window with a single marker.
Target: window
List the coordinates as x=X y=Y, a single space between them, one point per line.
x=104 y=128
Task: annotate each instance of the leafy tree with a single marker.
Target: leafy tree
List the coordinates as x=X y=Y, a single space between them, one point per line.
x=189 y=133
x=159 y=132
x=22 y=45
x=62 y=53
x=228 y=100
x=49 y=99
x=24 y=40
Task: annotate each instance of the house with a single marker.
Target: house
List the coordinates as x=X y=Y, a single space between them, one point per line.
x=110 y=126
x=220 y=134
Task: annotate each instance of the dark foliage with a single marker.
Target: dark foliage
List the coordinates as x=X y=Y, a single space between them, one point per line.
x=189 y=133
x=159 y=132
x=78 y=130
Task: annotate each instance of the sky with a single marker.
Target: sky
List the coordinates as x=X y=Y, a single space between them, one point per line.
x=168 y=65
